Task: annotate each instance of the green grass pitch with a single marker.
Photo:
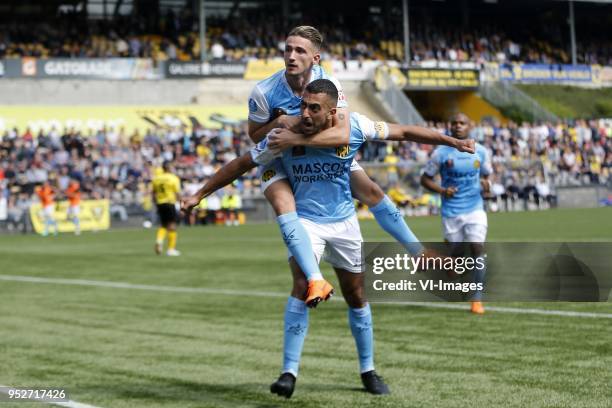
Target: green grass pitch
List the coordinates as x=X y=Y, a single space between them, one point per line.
x=122 y=347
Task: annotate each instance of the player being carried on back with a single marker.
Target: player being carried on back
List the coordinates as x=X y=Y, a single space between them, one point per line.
x=320 y=181
x=281 y=93
x=302 y=174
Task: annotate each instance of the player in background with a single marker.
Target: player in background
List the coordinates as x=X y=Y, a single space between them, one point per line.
x=231 y=203
x=281 y=93
x=166 y=187
x=326 y=209
x=46 y=195
x=73 y=193
x=464 y=180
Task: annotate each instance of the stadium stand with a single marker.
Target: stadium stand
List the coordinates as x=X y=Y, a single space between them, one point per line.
x=529 y=161
x=259 y=33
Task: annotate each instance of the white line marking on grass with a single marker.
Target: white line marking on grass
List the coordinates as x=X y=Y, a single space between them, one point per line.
x=125 y=285
x=233 y=292
x=68 y=404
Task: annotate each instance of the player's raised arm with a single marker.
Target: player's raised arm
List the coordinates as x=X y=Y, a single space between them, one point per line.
x=420 y=134
x=257 y=131
x=337 y=135
x=432 y=168
x=220 y=179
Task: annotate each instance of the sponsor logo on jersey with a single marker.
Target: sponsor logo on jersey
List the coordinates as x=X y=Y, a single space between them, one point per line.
x=343 y=151
x=268 y=174
x=316 y=172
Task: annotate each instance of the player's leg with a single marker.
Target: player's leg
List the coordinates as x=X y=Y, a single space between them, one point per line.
x=49 y=217
x=344 y=244
x=73 y=212
x=46 y=222
x=296 y=319
x=476 y=233
x=295 y=330
x=172 y=231
x=162 y=231
x=385 y=212
x=360 y=323
x=278 y=192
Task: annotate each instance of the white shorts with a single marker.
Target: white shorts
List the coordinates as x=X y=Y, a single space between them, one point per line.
x=338 y=243
x=470 y=227
x=271 y=173
x=355 y=166
x=48 y=212
x=73 y=211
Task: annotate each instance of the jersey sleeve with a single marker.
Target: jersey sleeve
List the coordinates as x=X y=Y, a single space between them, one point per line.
x=372 y=130
x=261 y=153
x=433 y=164
x=342 y=102
x=259 y=110
x=485 y=168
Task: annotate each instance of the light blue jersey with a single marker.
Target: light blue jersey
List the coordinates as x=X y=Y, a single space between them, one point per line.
x=275 y=93
x=463 y=171
x=320 y=177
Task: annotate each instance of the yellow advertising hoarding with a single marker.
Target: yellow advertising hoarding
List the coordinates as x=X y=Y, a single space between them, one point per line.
x=130 y=117
x=442 y=79
x=94 y=216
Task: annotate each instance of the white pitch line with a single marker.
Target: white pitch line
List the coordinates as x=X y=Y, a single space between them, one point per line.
x=68 y=404
x=233 y=292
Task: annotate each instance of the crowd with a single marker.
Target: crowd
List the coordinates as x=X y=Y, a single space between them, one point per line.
x=261 y=33
x=529 y=162
x=109 y=164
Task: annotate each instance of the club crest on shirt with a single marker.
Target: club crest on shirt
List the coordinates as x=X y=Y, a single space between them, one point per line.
x=268 y=174
x=343 y=151
x=449 y=163
x=476 y=164
x=252 y=105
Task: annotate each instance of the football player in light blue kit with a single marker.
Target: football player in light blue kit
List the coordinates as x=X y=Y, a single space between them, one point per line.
x=464 y=179
x=275 y=103
x=320 y=180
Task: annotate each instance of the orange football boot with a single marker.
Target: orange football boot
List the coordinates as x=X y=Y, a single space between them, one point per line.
x=477 y=308
x=318 y=291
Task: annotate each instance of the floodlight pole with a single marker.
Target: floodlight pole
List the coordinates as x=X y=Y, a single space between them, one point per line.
x=406 y=33
x=202 y=32
x=572 y=31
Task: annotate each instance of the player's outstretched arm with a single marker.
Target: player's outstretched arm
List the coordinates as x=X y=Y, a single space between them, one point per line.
x=220 y=179
x=420 y=134
x=337 y=135
x=429 y=183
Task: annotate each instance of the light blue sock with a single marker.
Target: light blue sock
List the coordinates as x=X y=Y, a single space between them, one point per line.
x=390 y=219
x=479 y=277
x=360 y=321
x=296 y=328
x=298 y=242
